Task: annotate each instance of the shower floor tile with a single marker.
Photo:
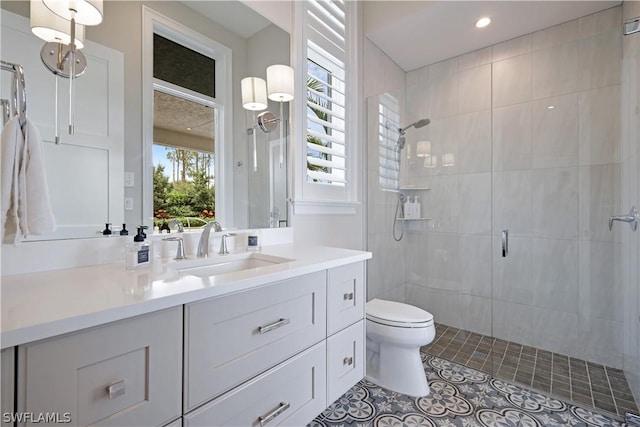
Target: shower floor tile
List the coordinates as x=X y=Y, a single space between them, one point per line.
x=587 y=383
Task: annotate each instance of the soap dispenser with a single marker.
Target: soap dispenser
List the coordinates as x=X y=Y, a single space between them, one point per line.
x=139 y=252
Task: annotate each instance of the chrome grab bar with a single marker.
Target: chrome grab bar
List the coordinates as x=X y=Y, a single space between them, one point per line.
x=275 y=325
x=631 y=218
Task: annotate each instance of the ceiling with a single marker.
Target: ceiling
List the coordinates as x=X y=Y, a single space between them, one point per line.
x=418 y=33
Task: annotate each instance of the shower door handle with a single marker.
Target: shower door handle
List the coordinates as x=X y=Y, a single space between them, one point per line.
x=505 y=243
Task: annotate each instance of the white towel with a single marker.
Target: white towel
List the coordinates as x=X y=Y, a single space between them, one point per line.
x=26 y=209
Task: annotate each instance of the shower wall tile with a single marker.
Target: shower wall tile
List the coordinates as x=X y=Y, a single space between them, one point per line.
x=442 y=202
x=475 y=58
x=511 y=48
x=599 y=124
x=552 y=36
x=512 y=137
x=513 y=275
x=556 y=331
x=513 y=322
x=417 y=258
x=601 y=340
x=512 y=202
x=601 y=287
x=442 y=260
x=441 y=303
x=474 y=143
x=386 y=270
x=555 y=131
x=418 y=105
x=474 y=203
x=600 y=22
x=383 y=75
x=555 y=70
x=599 y=195
x=443 y=69
x=443 y=96
x=555 y=274
x=475 y=314
x=512 y=80
x=555 y=203
x=444 y=136
x=599 y=60
x=474 y=264
x=474 y=89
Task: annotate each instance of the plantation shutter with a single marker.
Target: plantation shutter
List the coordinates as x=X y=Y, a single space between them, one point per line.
x=326 y=88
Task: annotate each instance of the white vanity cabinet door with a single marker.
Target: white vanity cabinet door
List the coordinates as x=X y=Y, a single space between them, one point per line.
x=7 y=377
x=345 y=360
x=345 y=296
x=291 y=394
x=126 y=373
x=231 y=339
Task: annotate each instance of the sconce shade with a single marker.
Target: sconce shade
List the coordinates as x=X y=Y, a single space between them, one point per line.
x=280 y=79
x=254 y=93
x=85 y=12
x=51 y=28
x=423 y=148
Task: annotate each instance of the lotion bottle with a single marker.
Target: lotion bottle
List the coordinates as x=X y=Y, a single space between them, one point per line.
x=138 y=253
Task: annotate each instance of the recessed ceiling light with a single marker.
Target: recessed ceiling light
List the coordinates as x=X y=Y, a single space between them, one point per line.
x=550 y=107
x=483 y=22
x=188 y=128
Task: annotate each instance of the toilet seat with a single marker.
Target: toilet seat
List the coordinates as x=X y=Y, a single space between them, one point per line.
x=397 y=314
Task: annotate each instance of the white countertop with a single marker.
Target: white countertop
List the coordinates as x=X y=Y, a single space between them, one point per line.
x=45 y=304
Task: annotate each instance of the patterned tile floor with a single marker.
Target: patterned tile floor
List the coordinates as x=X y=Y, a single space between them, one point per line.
x=460 y=396
x=582 y=382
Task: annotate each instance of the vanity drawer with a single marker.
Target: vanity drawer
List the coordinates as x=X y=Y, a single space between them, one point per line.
x=290 y=394
x=345 y=298
x=7 y=377
x=123 y=373
x=231 y=339
x=345 y=360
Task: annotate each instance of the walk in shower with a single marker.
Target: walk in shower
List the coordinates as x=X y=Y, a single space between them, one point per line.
x=531 y=148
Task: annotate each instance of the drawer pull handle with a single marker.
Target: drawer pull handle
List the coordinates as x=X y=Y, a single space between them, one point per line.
x=274 y=325
x=264 y=419
x=347 y=361
x=116 y=389
x=348 y=296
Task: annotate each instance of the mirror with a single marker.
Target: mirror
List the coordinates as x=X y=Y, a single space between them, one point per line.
x=255 y=43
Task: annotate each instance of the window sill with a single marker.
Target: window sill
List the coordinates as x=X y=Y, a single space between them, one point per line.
x=320 y=207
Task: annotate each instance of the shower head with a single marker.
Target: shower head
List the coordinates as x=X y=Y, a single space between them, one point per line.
x=420 y=123
x=401 y=139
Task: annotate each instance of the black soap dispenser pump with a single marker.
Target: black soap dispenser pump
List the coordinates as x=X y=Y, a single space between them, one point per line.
x=107 y=230
x=124 y=231
x=139 y=252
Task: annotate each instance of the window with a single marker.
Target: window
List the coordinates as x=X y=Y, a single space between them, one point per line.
x=326 y=84
x=388 y=152
x=184 y=123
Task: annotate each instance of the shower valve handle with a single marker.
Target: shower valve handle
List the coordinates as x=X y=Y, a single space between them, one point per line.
x=631 y=218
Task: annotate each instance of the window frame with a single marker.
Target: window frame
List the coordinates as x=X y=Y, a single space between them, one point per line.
x=314 y=198
x=156 y=23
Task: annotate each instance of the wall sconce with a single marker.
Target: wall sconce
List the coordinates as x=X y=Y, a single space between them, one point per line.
x=60 y=53
x=280 y=85
x=280 y=88
x=254 y=98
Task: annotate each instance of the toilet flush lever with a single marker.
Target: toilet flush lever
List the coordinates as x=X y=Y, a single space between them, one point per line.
x=631 y=218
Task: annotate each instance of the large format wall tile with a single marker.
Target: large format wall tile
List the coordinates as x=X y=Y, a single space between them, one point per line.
x=599 y=124
x=555 y=131
x=554 y=70
x=474 y=89
x=512 y=80
x=512 y=137
x=474 y=143
x=555 y=203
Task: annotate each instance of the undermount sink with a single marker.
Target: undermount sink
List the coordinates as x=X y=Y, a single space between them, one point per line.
x=222 y=264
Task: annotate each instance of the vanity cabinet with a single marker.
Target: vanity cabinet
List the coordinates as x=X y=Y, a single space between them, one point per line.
x=275 y=354
x=231 y=339
x=7 y=378
x=124 y=373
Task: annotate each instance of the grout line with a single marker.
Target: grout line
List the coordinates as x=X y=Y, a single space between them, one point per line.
x=615 y=402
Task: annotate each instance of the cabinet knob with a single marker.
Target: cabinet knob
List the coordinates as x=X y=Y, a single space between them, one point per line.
x=348 y=296
x=116 y=389
x=347 y=361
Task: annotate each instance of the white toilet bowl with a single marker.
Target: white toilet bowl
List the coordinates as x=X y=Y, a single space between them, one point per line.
x=395 y=333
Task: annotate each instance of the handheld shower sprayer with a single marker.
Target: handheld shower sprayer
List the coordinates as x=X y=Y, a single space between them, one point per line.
x=418 y=124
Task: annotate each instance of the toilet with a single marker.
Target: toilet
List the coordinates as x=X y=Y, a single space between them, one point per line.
x=395 y=333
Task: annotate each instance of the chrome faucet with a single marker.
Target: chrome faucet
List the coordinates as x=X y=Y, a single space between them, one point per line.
x=223 y=243
x=180 y=251
x=203 y=244
x=177 y=223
